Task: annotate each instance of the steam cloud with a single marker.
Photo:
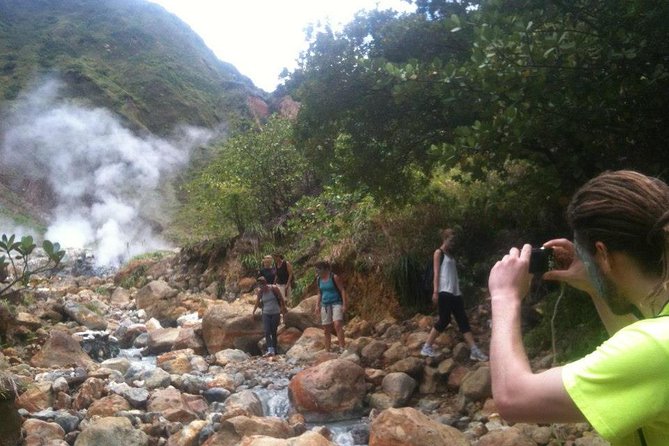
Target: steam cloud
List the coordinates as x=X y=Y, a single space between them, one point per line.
x=106 y=179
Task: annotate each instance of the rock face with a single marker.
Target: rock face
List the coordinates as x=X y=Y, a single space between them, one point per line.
x=61 y=350
x=332 y=390
x=409 y=427
x=224 y=327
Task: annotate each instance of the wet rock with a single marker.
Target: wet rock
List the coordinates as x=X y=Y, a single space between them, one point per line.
x=409 y=427
x=333 y=390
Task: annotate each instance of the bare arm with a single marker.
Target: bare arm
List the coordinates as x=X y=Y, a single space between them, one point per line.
x=340 y=286
x=573 y=273
x=520 y=394
x=289 y=267
x=436 y=268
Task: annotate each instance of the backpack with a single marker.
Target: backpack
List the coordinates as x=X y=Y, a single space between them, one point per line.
x=428 y=274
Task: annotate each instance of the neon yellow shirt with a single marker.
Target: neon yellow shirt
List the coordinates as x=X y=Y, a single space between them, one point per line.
x=624 y=384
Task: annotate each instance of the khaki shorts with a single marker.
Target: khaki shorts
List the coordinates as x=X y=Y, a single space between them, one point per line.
x=285 y=292
x=330 y=313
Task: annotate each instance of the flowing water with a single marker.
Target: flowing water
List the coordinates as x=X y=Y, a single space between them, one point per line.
x=275 y=401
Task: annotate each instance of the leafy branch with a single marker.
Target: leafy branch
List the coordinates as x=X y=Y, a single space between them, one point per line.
x=17 y=255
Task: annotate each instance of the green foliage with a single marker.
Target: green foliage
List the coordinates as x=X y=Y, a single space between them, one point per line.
x=255 y=177
x=130 y=56
x=378 y=128
x=17 y=255
x=578 y=330
x=407 y=274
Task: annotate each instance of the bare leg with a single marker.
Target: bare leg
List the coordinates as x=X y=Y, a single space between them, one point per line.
x=469 y=339
x=431 y=337
x=328 y=330
x=339 y=328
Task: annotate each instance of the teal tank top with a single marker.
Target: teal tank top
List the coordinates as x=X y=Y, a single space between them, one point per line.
x=329 y=293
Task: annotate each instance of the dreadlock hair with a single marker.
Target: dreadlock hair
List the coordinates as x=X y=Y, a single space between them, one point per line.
x=628 y=212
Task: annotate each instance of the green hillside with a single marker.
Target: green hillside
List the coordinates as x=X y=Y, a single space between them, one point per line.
x=130 y=56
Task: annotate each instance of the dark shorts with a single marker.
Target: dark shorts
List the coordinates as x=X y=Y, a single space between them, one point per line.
x=451 y=304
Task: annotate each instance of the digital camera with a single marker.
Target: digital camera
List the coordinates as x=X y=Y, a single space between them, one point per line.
x=541 y=260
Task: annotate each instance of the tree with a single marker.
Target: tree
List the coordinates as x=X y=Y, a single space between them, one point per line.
x=363 y=122
x=256 y=176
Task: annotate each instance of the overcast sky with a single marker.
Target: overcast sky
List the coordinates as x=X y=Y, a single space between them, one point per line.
x=262 y=37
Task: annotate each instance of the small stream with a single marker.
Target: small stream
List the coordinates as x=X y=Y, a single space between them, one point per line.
x=275 y=401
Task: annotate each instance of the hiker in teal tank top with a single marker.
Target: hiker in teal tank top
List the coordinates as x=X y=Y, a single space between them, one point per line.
x=332 y=303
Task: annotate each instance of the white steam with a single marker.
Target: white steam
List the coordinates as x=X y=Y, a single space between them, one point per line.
x=106 y=179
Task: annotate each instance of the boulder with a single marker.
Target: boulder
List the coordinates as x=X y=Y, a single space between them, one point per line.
x=162 y=340
x=160 y=301
x=410 y=427
x=506 y=437
x=303 y=315
x=399 y=387
x=38 y=433
x=270 y=426
x=225 y=327
x=111 y=431
x=61 y=350
x=332 y=390
x=84 y=316
x=310 y=343
x=306 y=439
x=477 y=385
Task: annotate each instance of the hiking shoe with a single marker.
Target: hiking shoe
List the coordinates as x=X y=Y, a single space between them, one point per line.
x=477 y=355
x=270 y=352
x=427 y=351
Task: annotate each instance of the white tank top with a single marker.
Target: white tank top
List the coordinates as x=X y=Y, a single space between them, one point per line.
x=448 y=276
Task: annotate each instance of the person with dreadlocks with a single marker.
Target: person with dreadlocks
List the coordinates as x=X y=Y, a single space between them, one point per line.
x=620 y=223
